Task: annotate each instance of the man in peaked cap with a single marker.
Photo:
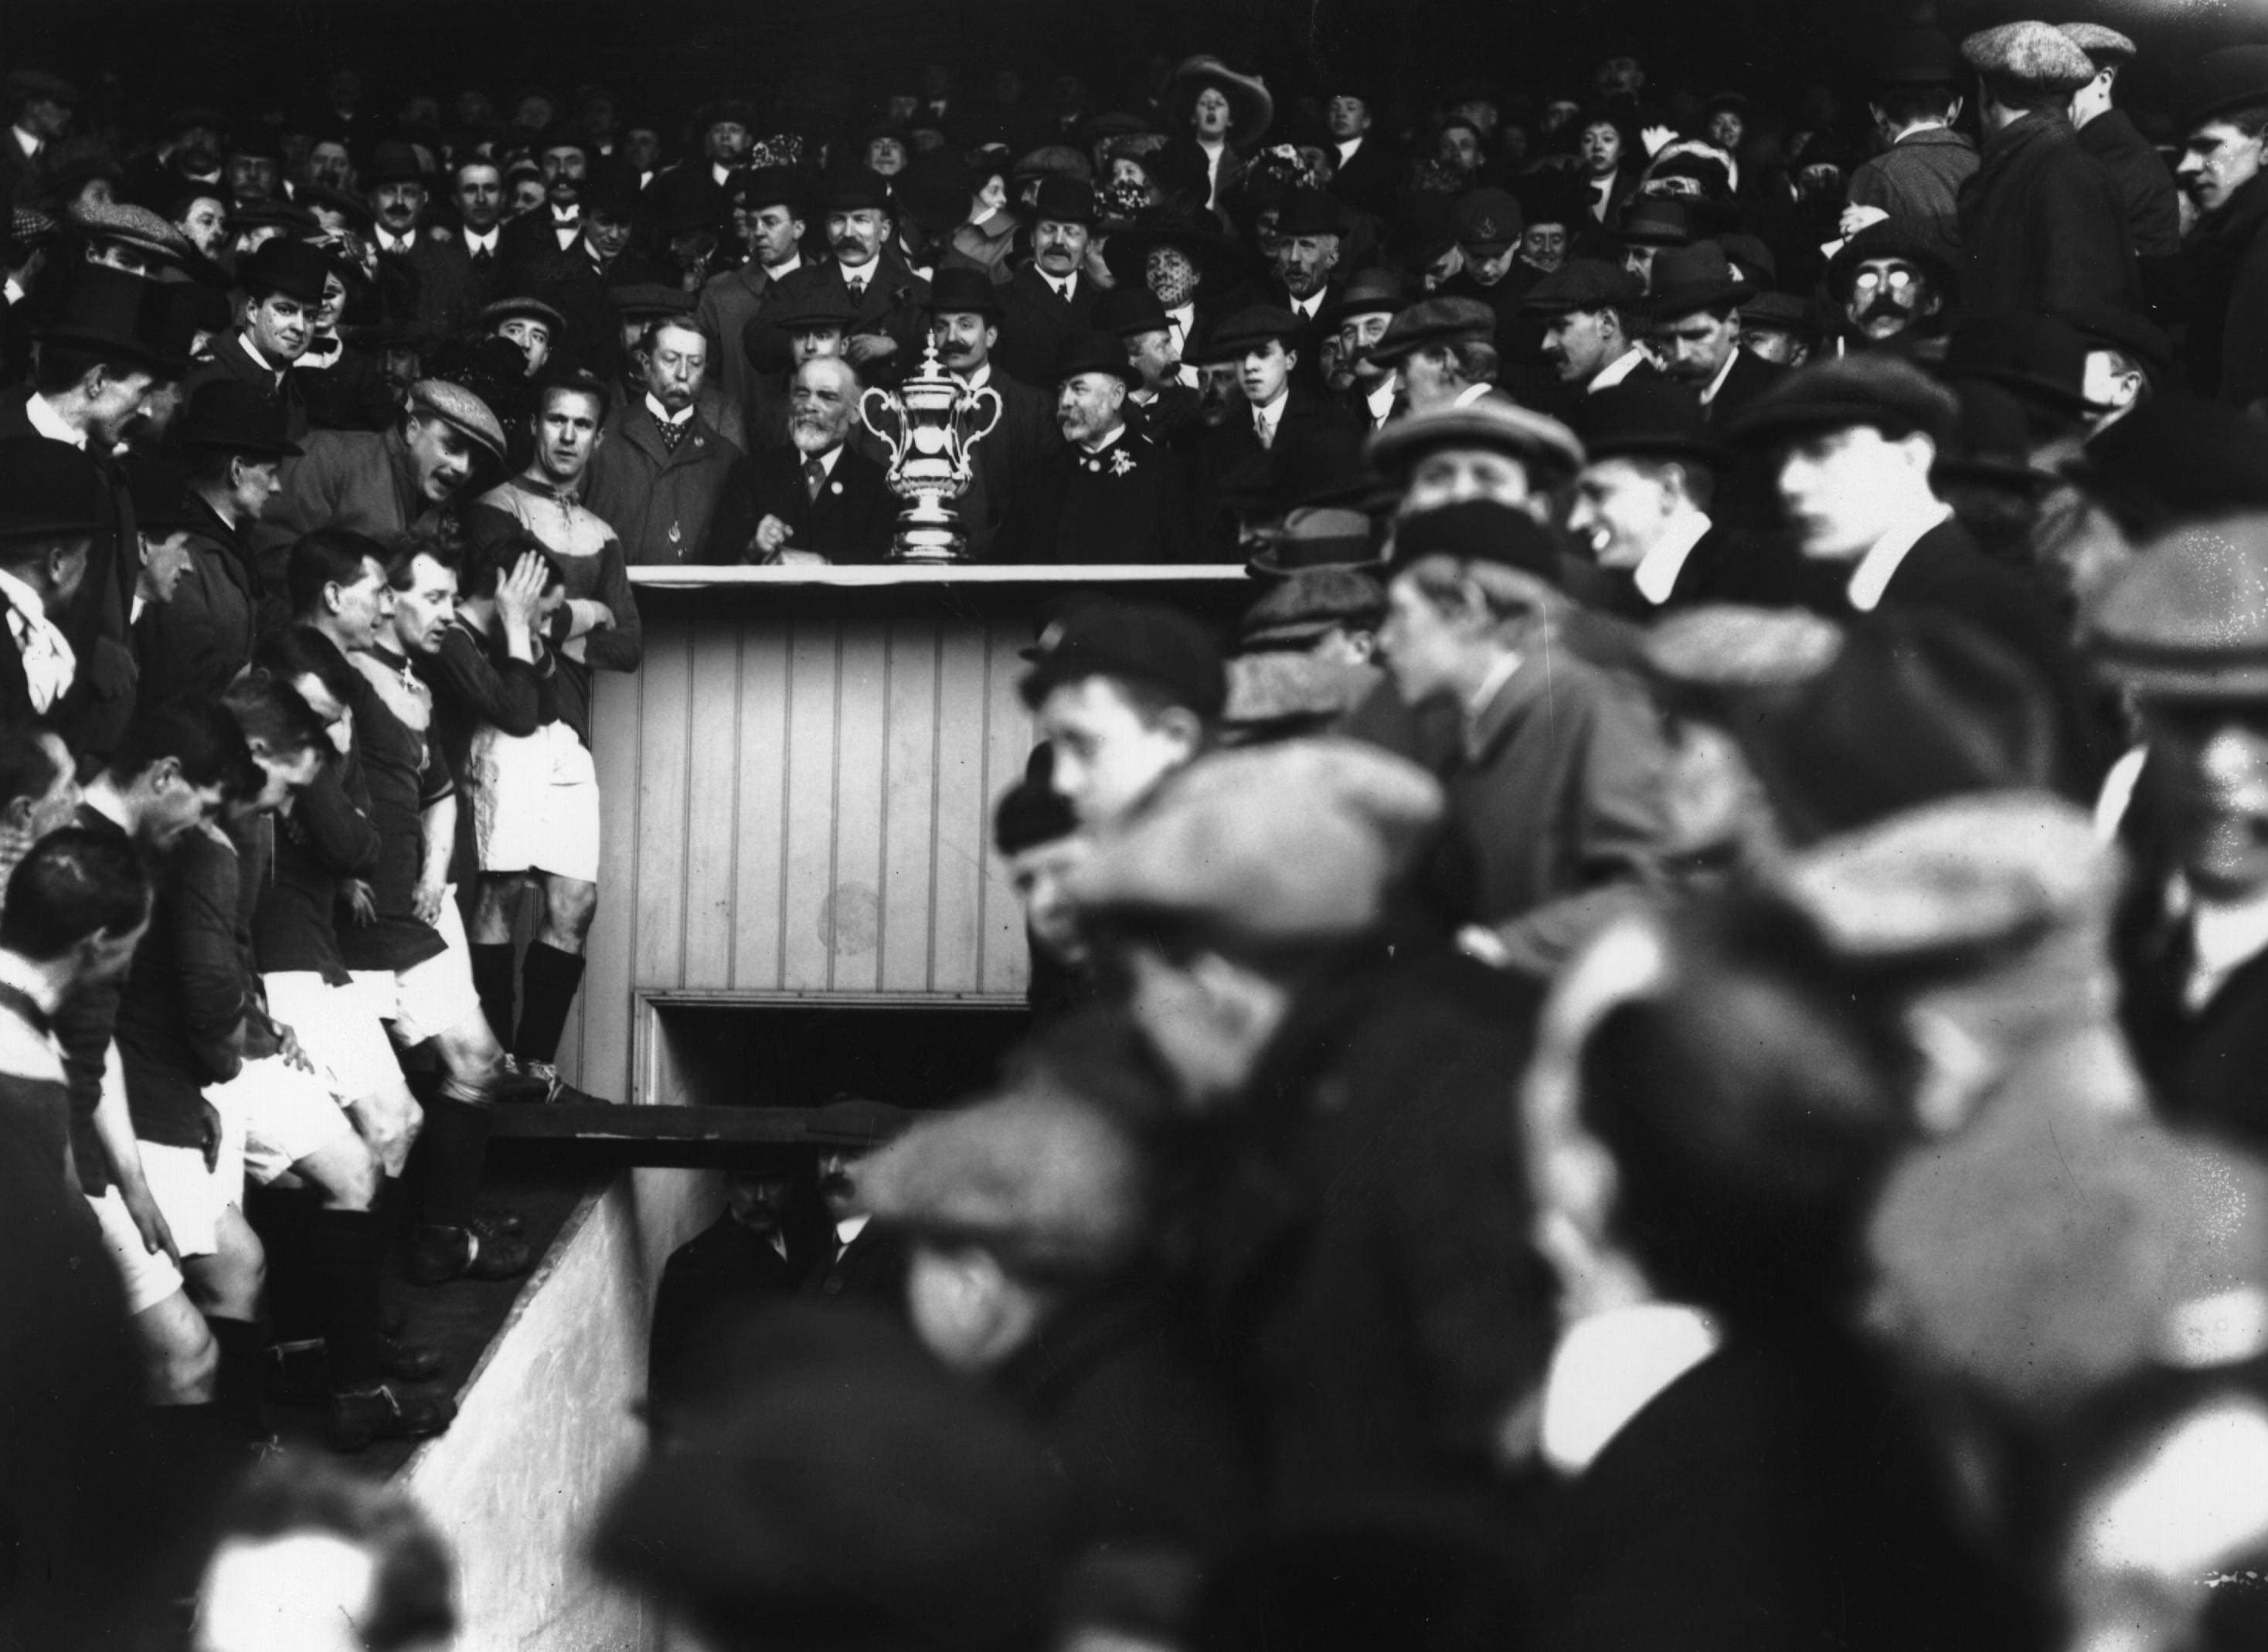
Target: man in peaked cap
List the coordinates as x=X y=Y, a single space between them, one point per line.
x=1052 y=297
x=1488 y=448
x=283 y=286
x=2182 y=630
x=1696 y=309
x=2225 y=131
x=2044 y=225
x=1591 y=312
x=769 y=207
x=1442 y=353
x=1643 y=498
x=2154 y=217
x=864 y=268
x=1490 y=225
x=1265 y=343
x=1109 y=494
x=1915 y=102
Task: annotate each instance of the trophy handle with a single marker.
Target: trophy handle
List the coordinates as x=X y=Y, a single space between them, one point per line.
x=985 y=397
x=897 y=439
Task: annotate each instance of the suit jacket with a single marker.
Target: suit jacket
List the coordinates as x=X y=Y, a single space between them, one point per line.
x=573 y=283
x=2146 y=188
x=1699 y=579
x=659 y=501
x=1003 y=462
x=529 y=237
x=1307 y=414
x=1034 y=321
x=350 y=393
x=2227 y=345
x=448 y=289
x=869 y=1272
x=894 y=305
x=229 y=359
x=1307 y=373
x=851 y=519
x=2044 y=226
x=728 y=303
x=191 y=648
x=1371 y=178
x=1129 y=504
x=1750 y=377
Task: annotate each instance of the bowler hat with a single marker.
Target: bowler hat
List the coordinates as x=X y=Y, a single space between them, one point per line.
x=858 y=189
x=2033 y=54
x=1307 y=211
x=1696 y=277
x=391 y=163
x=2223 y=82
x=1093 y=352
x=48 y=490
x=1140 y=642
x=462 y=409
x=521 y=307
x=1584 y=285
x=1875 y=390
x=1488 y=219
x=1368 y=292
x=1250 y=106
x=1752 y=261
x=2188 y=619
x=1064 y=200
x=127 y=316
x=1549 y=197
x=1651 y=220
x=232 y=416
x=1787 y=312
x=1493 y=422
x=1478 y=530
x=723 y=109
x=1252 y=328
x=24 y=86
x=686 y=199
x=2174 y=459
x=645 y=299
x=1917 y=58
x=563 y=135
x=286 y=268
x=1993 y=446
x=255 y=140
x=760 y=186
x=1900 y=239
x=610 y=193
x=958 y=291
x=1423 y=229
x=1430 y=321
x=820 y=307
x=1309 y=601
x=2044 y=360
x=1128 y=311
x=853 y=1122
x=1645 y=418
x=2110 y=327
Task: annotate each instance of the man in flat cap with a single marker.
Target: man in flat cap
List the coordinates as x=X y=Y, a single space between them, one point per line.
x=1052 y=297
x=38 y=106
x=1590 y=311
x=866 y=269
x=2181 y=630
x=1248 y=904
x=768 y=208
x=1919 y=178
x=1443 y=352
x=1109 y=494
x=2146 y=188
x=1488 y=448
x=1490 y=226
x=283 y=286
x=2043 y=224
x=1265 y=343
x=2226 y=135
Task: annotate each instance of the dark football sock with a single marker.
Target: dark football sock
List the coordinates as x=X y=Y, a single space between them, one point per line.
x=454 y=1143
x=548 y=979
x=343 y=1250
x=492 y=981
x=237 y=1390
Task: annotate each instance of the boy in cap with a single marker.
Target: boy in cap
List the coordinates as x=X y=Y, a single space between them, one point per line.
x=1124 y=694
x=2043 y=224
x=2226 y=138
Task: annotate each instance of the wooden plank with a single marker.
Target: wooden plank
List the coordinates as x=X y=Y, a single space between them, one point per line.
x=909 y=803
x=850 y=912
x=888 y=575
x=598 y=1121
x=601 y=1046
x=759 y=879
x=814 y=660
x=1004 y=953
x=712 y=816
x=665 y=737
x=962 y=834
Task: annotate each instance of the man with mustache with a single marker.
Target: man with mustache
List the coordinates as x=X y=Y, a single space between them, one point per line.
x=1052 y=297
x=1110 y=494
x=816 y=501
x=191 y=153
x=965 y=322
x=1895 y=289
x=863 y=267
x=447 y=290
x=658 y=477
x=864 y=1266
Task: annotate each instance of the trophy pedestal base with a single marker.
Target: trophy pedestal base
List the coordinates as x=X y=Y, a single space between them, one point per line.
x=932 y=536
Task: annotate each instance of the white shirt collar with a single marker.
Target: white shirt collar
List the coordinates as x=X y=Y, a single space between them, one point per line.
x=1380 y=401
x=258 y=358
x=28 y=979
x=1617 y=369
x=1107 y=443
x=663 y=415
x=978 y=380
x=1471 y=393
x=825 y=459
x=388 y=242
x=1347 y=149
x=1064 y=287
x=1723 y=373
x=1656 y=573
x=52 y=425
x=564 y=215
x=1272 y=413
x=1212 y=150
x=865 y=272
x=781 y=272
x=1872 y=575
x=24 y=141
x=850 y=1228
x=2226 y=936
x=482 y=243
x=721 y=172
x=1309 y=305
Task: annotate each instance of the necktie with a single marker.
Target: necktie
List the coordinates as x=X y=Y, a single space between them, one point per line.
x=672 y=433
x=483 y=259
x=858 y=285
x=814 y=478
x=1265 y=431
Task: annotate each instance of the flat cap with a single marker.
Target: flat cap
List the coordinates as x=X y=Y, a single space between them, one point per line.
x=853 y=1122
x=1790 y=312
x=2035 y=53
x=1298 y=610
x=1048 y=1182
x=2104 y=46
x=1490 y=421
x=1488 y=219
x=48 y=488
x=1584 y=284
x=1432 y=321
x=1251 y=329
x=634 y=298
x=1316 y=537
x=521 y=307
x=1142 y=642
x=1883 y=391
x=1283 y=691
x=1478 y=530
x=2189 y=618
x=460 y=408
x=1964 y=873
x=136 y=226
x=1302 y=841
x=1722 y=648
x=818 y=306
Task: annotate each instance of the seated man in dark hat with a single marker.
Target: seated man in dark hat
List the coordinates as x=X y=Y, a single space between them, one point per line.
x=283 y=284
x=1590 y=338
x=38 y=106
x=1110 y=495
x=1367 y=172
x=723 y=132
x=1309 y=226
x=768 y=205
x=965 y=323
x=788 y=331
x=448 y=291
x=1167 y=406
x=1361 y=318
x=816 y=501
x=867 y=270
x=1264 y=341
x=1490 y=228
x=1696 y=309
x=1051 y=296
x=1643 y=496
x=1898 y=290
x=563 y=156
x=255 y=164
x=1782 y=327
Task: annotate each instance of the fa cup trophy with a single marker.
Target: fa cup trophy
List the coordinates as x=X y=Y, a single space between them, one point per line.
x=937 y=420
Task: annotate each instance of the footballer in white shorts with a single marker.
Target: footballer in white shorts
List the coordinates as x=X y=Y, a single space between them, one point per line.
x=535 y=802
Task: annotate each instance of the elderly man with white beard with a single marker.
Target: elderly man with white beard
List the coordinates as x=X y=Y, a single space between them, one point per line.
x=816 y=501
